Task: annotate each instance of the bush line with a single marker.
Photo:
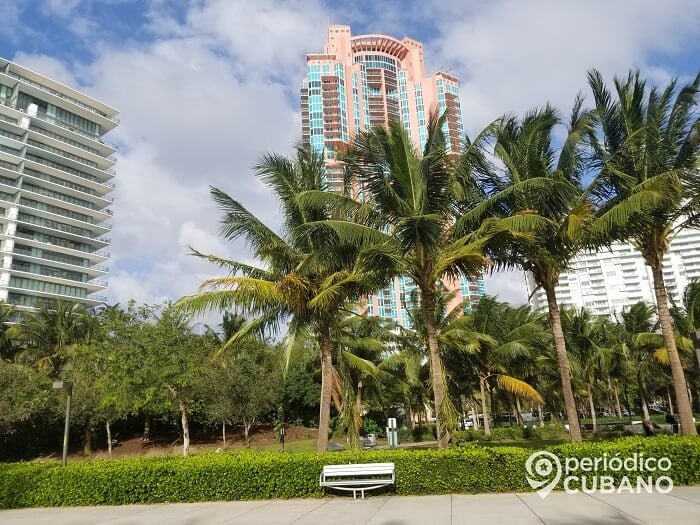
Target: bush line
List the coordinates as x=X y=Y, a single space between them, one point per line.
x=265 y=475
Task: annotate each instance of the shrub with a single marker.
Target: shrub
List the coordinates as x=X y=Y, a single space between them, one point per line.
x=506 y=433
x=258 y=475
x=370 y=426
x=548 y=432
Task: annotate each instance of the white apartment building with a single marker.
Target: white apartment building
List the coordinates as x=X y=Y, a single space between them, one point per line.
x=55 y=172
x=607 y=281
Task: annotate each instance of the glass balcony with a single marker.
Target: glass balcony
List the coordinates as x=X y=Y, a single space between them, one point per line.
x=61 y=95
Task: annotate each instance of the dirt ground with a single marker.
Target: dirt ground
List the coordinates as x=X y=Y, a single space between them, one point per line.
x=260 y=438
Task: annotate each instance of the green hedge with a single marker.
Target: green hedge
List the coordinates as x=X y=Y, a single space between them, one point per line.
x=251 y=475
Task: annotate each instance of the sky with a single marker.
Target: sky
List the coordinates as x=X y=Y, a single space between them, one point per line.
x=204 y=87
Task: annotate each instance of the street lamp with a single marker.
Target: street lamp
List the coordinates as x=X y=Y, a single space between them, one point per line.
x=68 y=387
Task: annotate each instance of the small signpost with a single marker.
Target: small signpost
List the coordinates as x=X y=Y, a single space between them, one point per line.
x=391 y=434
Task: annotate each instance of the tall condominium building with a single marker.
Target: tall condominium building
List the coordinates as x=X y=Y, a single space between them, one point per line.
x=55 y=172
x=606 y=282
x=367 y=80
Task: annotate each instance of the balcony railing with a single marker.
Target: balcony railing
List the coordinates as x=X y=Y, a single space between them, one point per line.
x=61 y=95
x=46 y=272
x=101 y=298
x=51 y=120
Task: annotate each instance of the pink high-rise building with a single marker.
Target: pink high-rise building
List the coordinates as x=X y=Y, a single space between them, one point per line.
x=367 y=80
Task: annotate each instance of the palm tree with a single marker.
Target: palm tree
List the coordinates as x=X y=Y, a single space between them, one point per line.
x=305 y=277
x=532 y=183
x=56 y=326
x=417 y=199
x=586 y=344
x=9 y=332
x=505 y=340
x=362 y=344
x=648 y=155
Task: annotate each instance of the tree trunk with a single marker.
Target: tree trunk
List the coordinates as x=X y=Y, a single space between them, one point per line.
x=487 y=424
x=617 y=401
x=358 y=405
x=685 y=413
x=185 y=431
x=147 y=430
x=246 y=431
x=436 y=371
x=324 y=419
x=540 y=414
x=108 y=427
x=592 y=407
x=87 y=441
x=670 y=401
x=563 y=359
x=627 y=402
x=475 y=414
x=223 y=432
x=518 y=412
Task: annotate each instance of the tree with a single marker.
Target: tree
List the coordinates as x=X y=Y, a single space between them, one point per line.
x=306 y=277
x=415 y=200
x=257 y=376
x=26 y=393
x=10 y=333
x=587 y=345
x=53 y=328
x=543 y=191
x=241 y=388
x=648 y=157
x=498 y=342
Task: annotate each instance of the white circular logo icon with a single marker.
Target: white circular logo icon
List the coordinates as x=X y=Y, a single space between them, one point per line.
x=543 y=472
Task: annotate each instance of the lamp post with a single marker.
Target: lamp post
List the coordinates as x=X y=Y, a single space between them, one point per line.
x=68 y=387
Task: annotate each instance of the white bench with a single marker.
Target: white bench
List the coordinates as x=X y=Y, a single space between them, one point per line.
x=358 y=478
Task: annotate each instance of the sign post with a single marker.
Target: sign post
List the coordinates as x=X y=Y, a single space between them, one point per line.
x=391 y=434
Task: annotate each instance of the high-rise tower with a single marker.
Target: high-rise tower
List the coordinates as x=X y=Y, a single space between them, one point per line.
x=367 y=80
x=55 y=172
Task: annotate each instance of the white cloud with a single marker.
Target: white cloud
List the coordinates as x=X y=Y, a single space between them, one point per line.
x=213 y=89
x=513 y=55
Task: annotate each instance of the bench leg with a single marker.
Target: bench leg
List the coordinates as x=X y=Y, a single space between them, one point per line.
x=363 y=493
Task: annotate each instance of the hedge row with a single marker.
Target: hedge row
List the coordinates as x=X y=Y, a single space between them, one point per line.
x=549 y=431
x=251 y=475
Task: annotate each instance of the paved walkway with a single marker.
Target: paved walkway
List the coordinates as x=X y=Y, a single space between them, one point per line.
x=681 y=507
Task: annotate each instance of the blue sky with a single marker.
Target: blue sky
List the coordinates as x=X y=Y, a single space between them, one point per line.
x=206 y=86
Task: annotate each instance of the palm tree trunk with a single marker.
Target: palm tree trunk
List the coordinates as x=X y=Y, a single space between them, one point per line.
x=487 y=424
x=685 y=413
x=223 y=432
x=475 y=414
x=438 y=378
x=563 y=359
x=670 y=401
x=518 y=412
x=358 y=405
x=324 y=419
x=540 y=414
x=592 y=406
x=108 y=427
x=185 y=431
x=617 y=401
x=87 y=441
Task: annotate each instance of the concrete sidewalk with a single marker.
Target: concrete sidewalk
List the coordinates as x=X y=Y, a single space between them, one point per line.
x=681 y=507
